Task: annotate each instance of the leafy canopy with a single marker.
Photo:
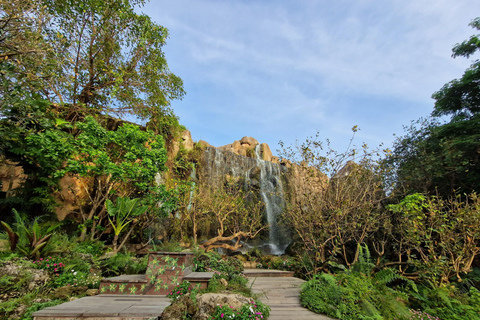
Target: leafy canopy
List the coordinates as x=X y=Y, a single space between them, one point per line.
x=88 y=55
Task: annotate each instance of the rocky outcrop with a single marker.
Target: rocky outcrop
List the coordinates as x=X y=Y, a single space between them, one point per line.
x=11 y=175
x=71 y=191
x=251 y=148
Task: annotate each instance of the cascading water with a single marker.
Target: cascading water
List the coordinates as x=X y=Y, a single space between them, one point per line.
x=256 y=172
x=193 y=177
x=271 y=190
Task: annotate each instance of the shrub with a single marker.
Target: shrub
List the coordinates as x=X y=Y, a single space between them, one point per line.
x=255 y=310
x=77 y=278
x=52 y=264
x=447 y=302
x=124 y=263
x=182 y=289
x=354 y=295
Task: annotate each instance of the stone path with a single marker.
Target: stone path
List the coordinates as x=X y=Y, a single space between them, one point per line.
x=282 y=295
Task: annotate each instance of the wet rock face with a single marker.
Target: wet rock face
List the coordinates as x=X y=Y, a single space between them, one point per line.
x=260 y=177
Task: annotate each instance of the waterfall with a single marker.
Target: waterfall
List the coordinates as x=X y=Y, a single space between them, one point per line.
x=271 y=191
x=265 y=176
x=193 y=177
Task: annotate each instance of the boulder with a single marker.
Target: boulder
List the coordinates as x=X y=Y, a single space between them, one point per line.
x=208 y=302
x=11 y=175
x=236 y=146
x=91 y=292
x=71 y=191
x=251 y=142
x=265 y=152
x=187 y=140
x=204 y=144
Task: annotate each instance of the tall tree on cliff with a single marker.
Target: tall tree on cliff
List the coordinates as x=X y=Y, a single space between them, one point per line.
x=444 y=157
x=99 y=55
x=64 y=59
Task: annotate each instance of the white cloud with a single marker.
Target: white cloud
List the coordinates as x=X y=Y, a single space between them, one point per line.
x=281 y=66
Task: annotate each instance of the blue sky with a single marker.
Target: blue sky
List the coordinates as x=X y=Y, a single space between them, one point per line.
x=281 y=70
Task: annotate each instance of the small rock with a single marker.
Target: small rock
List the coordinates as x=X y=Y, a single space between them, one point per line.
x=224 y=282
x=92 y=292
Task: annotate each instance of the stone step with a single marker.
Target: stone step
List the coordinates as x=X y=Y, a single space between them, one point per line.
x=139 y=284
x=251 y=273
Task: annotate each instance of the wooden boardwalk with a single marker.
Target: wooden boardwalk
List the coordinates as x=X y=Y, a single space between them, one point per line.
x=282 y=295
x=107 y=307
x=278 y=289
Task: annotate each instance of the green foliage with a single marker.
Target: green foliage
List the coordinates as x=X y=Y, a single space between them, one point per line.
x=99 y=55
x=123 y=263
x=437 y=235
x=94 y=248
x=354 y=295
x=435 y=157
x=39 y=156
x=461 y=97
x=167 y=126
x=36 y=306
x=116 y=153
x=228 y=268
x=9 y=307
x=446 y=302
x=52 y=264
x=254 y=310
x=77 y=279
x=121 y=214
x=30 y=240
x=208 y=261
x=183 y=289
x=124 y=161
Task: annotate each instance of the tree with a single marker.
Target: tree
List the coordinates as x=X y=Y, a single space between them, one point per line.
x=24 y=52
x=443 y=157
x=90 y=55
x=122 y=162
x=332 y=217
x=460 y=98
x=437 y=236
x=227 y=212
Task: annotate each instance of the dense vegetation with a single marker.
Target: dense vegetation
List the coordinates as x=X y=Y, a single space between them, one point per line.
x=377 y=233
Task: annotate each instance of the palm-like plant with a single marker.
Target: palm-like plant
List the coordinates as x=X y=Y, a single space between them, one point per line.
x=29 y=240
x=121 y=215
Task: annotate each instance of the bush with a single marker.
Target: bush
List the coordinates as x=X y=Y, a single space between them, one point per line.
x=182 y=289
x=352 y=295
x=78 y=278
x=52 y=264
x=447 y=302
x=124 y=263
x=228 y=267
x=256 y=310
